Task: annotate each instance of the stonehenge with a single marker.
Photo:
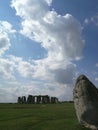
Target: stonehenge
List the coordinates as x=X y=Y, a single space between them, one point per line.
x=54 y=100
x=22 y=99
x=85 y=96
x=37 y=99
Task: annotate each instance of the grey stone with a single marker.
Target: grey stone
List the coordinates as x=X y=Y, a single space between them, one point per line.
x=85 y=96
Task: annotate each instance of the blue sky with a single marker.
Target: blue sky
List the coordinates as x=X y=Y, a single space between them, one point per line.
x=45 y=45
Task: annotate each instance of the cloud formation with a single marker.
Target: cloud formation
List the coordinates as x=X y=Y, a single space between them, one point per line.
x=7 y=69
x=58 y=34
x=61 y=37
x=5 y=30
x=93 y=20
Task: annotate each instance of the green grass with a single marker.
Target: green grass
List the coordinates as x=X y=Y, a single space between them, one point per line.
x=38 y=117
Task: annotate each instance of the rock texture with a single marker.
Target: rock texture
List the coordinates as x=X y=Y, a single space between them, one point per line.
x=85 y=96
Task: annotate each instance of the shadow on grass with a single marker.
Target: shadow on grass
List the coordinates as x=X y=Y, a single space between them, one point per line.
x=80 y=127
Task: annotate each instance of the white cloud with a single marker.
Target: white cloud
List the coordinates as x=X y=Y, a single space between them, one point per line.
x=7 y=27
x=64 y=32
x=21 y=67
x=5 y=30
x=15 y=89
x=6 y=69
x=35 y=8
x=42 y=82
x=93 y=20
x=4 y=43
x=63 y=39
x=60 y=36
x=25 y=69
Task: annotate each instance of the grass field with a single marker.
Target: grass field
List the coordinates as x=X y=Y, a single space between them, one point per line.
x=38 y=117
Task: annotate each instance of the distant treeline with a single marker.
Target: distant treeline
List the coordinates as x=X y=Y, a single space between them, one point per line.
x=38 y=99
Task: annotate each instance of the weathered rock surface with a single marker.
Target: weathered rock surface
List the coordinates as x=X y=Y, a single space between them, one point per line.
x=85 y=96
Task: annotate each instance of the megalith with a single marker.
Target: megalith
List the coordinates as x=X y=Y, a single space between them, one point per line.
x=19 y=100
x=85 y=96
x=54 y=100
x=45 y=99
x=38 y=99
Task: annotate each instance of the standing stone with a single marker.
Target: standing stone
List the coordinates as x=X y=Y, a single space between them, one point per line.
x=54 y=100
x=85 y=96
x=30 y=99
x=39 y=99
x=23 y=99
x=19 y=100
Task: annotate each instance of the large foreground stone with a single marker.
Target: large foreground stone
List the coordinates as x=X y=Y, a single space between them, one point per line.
x=85 y=96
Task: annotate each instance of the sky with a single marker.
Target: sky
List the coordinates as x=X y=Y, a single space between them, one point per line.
x=45 y=45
